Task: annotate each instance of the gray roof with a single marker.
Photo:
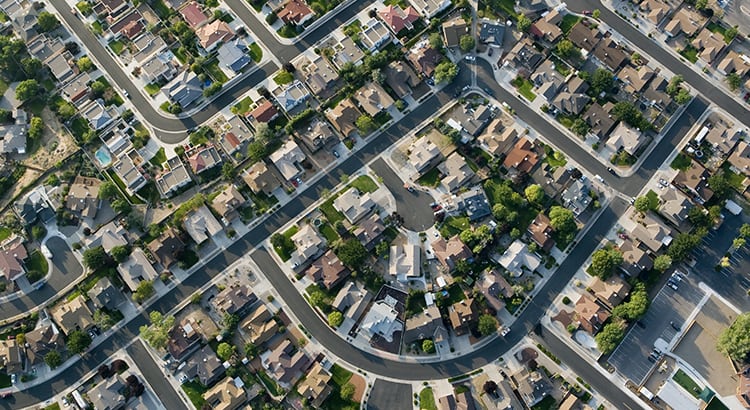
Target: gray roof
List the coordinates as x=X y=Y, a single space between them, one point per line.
x=184 y=89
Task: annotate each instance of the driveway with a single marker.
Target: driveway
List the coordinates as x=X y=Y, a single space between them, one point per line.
x=414 y=207
x=388 y=396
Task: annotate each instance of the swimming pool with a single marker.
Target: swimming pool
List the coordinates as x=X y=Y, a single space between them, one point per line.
x=102 y=155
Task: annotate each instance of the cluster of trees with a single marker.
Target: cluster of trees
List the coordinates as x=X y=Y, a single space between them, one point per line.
x=445 y=72
x=675 y=89
x=566 y=49
x=683 y=244
x=144 y=291
x=487 y=325
x=610 y=336
x=335 y=319
x=563 y=222
x=602 y=81
x=157 y=333
x=78 y=341
x=262 y=145
x=352 y=253
x=225 y=351
x=625 y=111
x=636 y=307
x=604 y=261
x=96 y=258
x=477 y=239
x=734 y=341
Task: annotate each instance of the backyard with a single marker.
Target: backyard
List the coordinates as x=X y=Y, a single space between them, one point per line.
x=454 y=225
x=568 y=21
x=340 y=377
x=194 y=391
x=431 y=178
x=681 y=162
x=215 y=72
x=285 y=252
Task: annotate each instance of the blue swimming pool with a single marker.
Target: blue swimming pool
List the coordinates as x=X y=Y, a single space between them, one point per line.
x=102 y=155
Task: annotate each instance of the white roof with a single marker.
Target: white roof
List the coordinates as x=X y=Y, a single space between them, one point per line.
x=517 y=256
x=381 y=320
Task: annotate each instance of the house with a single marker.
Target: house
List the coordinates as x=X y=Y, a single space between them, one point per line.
x=108 y=237
x=453 y=30
x=166 y=248
x=344 y=117
x=373 y=99
x=474 y=203
x=309 y=244
x=41 y=341
x=83 y=196
x=382 y=321
x=523 y=56
x=517 y=258
x=235 y=135
x=34 y=206
x=174 y=177
x=734 y=63
x=609 y=53
x=105 y=295
x=675 y=206
x=354 y=205
x=135 y=269
x=522 y=158
x=265 y=112
x=12 y=255
x=463 y=315
x=261 y=179
x=213 y=34
x=369 y=231
x=451 y=251
x=291 y=95
x=234 y=300
x=398 y=19
x=457 y=401
x=491 y=32
x=44 y=48
x=584 y=37
x=184 y=89
x=547 y=80
x=317 y=134
x=635 y=259
x=427 y=324
x=710 y=45
x=722 y=139
x=374 y=35
x=651 y=232
x=625 y=138
x=540 y=232
x=404 y=262
x=10 y=357
x=401 y=78
x=13 y=136
x=469 y=119
x=345 y=51
x=635 y=78
x=314 y=388
x=546 y=27
x=201 y=224
x=611 y=291
x=319 y=75
x=327 y=270
x=227 y=203
x=24 y=20
x=193 y=15
x=259 y=326
x=73 y=315
x=498 y=143
x=233 y=55
x=533 y=386
x=227 y=395
x=158 y=68
x=129 y=173
x=600 y=120
x=204 y=366
x=684 y=21
x=656 y=10
x=287 y=160
x=577 y=197
x=743 y=387
x=571 y=103
x=455 y=172
x=590 y=315
x=423 y=155
x=107 y=395
x=285 y=364
x=77 y=89
x=203 y=159
x=694 y=180
x=147 y=46
x=656 y=93
x=295 y=12
x=352 y=300
x=97 y=115
x=425 y=58
x=184 y=339
x=129 y=26
x=430 y=8
x=495 y=289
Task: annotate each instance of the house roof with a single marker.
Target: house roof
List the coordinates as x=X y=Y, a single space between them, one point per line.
x=463 y=314
x=373 y=98
x=184 y=89
x=354 y=204
x=259 y=326
x=317 y=134
x=352 y=300
x=11 y=258
x=226 y=395
x=533 y=386
x=204 y=159
x=626 y=138
x=455 y=171
x=397 y=18
x=318 y=74
x=491 y=32
x=540 y=231
x=73 y=314
x=457 y=401
x=651 y=231
x=401 y=78
x=584 y=36
x=497 y=143
x=213 y=33
x=427 y=324
x=284 y=364
x=328 y=270
x=369 y=231
x=572 y=103
x=429 y=8
x=234 y=55
x=546 y=27
x=425 y=59
x=522 y=157
x=227 y=202
x=291 y=95
x=695 y=178
x=345 y=51
x=294 y=12
x=734 y=62
x=495 y=289
x=136 y=268
x=201 y=224
x=450 y=251
x=233 y=299
x=193 y=15
x=404 y=261
x=130 y=25
x=635 y=259
x=590 y=315
x=610 y=291
x=204 y=365
x=287 y=158
x=710 y=44
x=315 y=387
x=173 y=177
x=308 y=243
x=41 y=341
x=107 y=394
x=453 y=30
x=183 y=338
x=656 y=9
x=599 y=119
x=636 y=78
x=609 y=52
x=343 y=117
x=166 y=247
x=261 y=179
x=381 y=320
x=523 y=55
x=517 y=257
x=83 y=196
x=422 y=152
x=684 y=21
x=374 y=35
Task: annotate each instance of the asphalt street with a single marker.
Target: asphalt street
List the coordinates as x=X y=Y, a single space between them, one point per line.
x=154 y=376
x=414 y=207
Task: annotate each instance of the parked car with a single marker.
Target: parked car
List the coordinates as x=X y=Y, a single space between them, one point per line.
x=336 y=154
x=674 y=326
x=470 y=58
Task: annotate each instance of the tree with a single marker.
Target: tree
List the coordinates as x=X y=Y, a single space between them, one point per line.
x=731 y=33
x=602 y=80
x=108 y=190
x=738 y=243
x=563 y=222
x=120 y=253
x=365 y=124
x=487 y=325
x=256 y=151
x=523 y=23
x=103 y=320
x=534 y=193
x=95 y=258
x=229 y=321
x=157 y=333
x=428 y=346
x=212 y=89
x=565 y=48
x=674 y=84
x=609 y=337
x=378 y=76
x=78 y=341
x=719 y=183
x=84 y=64
x=225 y=351
x=352 y=253
x=436 y=41
x=662 y=262
x=701 y=4
x=98 y=88
x=604 y=261
x=682 y=97
x=36 y=127
x=596 y=13
x=228 y=171
x=734 y=81
x=47 y=22
x=636 y=307
x=445 y=72
x=490 y=387
x=636 y=57
x=466 y=43
x=335 y=319
x=251 y=350
x=734 y=341
x=745 y=230
x=27 y=89
x=121 y=206
x=144 y=291
x=642 y=204
x=38 y=232
x=347 y=391
x=31 y=66
x=317 y=298
x=682 y=245
x=383 y=249
x=53 y=359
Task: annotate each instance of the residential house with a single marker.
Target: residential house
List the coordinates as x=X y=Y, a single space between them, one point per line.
x=203 y=159
x=201 y=224
x=235 y=135
x=522 y=158
x=261 y=179
x=129 y=26
x=491 y=33
x=34 y=206
x=107 y=395
x=295 y=12
x=469 y=119
x=24 y=20
x=265 y=112
x=651 y=232
x=734 y=63
x=463 y=315
x=129 y=173
x=404 y=262
x=495 y=289
x=309 y=244
x=13 y=136
x=635 y=78
x=369 y=231
x=352 y=300
x=291 y=95
x=136 y=268
x=457 y=401
x=259 y=326
x=455 y=172
x=317 y=134
x=166 y=248
x=474 y=203
x=234 y=300
x=204 y=366
x=451 y=251
x=401 y=78
x=328 y=270
x=382 y=321
x=656 y=93
x=77 y=89
x=625 y=138
x=344 y=117
x=148 y=46
x=285 y=364
x=158 y=68
x=374 y=35
x=233 y=55
x=314 y=388
x=585 y=37
x=319 y=75
x=398 y=19
x=540 y=230
x=516 y=259
x=423 y=155
x=12 y=255
x=524 y=56
x=213 y=34
x=577 y=197
x=533 y=386
x=547 y=80
x=108 y=237
x=174 y=177
x=684 y=21
x=184 y=89
x=453 y=30
x=675 y=206
x=83 y=196
x=498 y=143
x=546 y=27
x=373 y=99
x=635 y=259
x=430 y=8
x=656 y=10
x=193 y=15
x=570 y=103
x=227 y=395
x=611 y=291
x=345 y=51
x=427 y=324
x=105 y=295
x=425 y=58
x=743 y=387
x=184 y=339
x=710 y=45
x=600 y=120
x=73 y=315
x=590 y=315
x=611 y=54
x=228 y=203
x=97 y=115
x=354 y=204
x=722 y=139
x=10 y=357
x=694 y=180
x=41 y=341
x=287 y=160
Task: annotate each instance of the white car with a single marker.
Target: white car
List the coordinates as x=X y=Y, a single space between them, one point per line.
x=505 y=331
x=470 y=58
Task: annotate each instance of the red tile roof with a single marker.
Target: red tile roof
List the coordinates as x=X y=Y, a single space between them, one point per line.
x=294 y=12
x=264 y=112
x=193 y=15
x=398 y=19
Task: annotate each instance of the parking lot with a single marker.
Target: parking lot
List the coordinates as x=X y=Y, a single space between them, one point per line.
x=387 y=395
x=631 y=357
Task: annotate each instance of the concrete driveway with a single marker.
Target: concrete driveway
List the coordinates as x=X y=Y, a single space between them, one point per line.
x=414 y=207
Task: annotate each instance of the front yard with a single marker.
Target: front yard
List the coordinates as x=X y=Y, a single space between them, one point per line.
x=524 y=87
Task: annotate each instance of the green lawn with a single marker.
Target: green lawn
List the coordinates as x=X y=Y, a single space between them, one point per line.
x=159 y=158
x=455 y=293
x=548 y=403
x=568 y=21
x=556 y=159
x=287 y=31
x=524 y=87
x=255 y=52
x=273 y=388
x=36 y=262
x=681 y=162
x=400 y=3
x=263 y=202
x=653 y=200
x=283 y=77
x=690 y=53
x=194 y=391
x=5 y=233
x=284 y=253
x=242 y=107
x=431 y=178
x=687 y=383
x=364 y=183
x=96 y=27
x=427 y=399
x=454 y=225
x=164 y=106
x=330 y=212
x=180 y=54
x=79 y=127
x=735 y=180
x=152 y=89
x=215 y=72
x=340 y=375
x=117 y=46
x=160 y=8
x=718 y=29
x=53 y=406
x=328 y=232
